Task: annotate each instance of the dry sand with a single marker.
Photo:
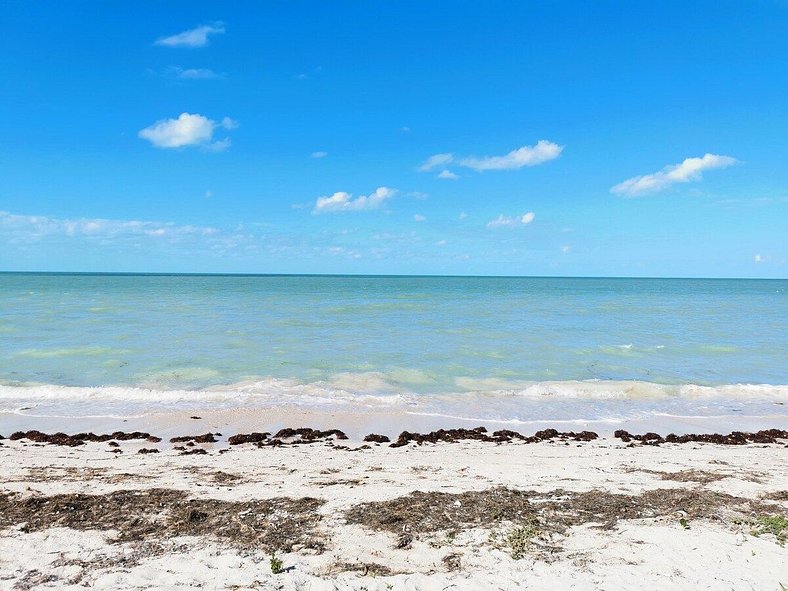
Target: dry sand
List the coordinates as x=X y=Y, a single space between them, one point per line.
x=549 y=515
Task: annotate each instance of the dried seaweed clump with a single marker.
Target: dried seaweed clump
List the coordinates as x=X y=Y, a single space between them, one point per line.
x=552 y=511
x=288 y=436
x=81 y=438
x=734 y=438
x=273 y=525
x=606 y=508
x=436 y=511
x=375 y=438
x=480 y=434
x=206 y=438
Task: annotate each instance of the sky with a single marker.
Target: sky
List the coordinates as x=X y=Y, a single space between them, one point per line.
x=566 y=138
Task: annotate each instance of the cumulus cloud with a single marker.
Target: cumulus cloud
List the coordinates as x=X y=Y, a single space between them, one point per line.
x=542 y=152
x=188 y=130
x=447 y=174
x=319 y=154
x=196 y=37
x=342 y=201
x=511 y=221
x=691 y=169
x=436 y=160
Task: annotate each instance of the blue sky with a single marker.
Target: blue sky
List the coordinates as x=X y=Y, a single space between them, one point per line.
x=511 y=138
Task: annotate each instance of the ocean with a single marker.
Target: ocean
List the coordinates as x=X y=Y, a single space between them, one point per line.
x=505 y=349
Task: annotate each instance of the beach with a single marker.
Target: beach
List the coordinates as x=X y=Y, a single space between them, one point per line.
x=258 y=432
x=462 y=512
x=394 y=296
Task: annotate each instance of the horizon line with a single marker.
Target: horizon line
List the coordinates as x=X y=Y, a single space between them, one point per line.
x=379 y=275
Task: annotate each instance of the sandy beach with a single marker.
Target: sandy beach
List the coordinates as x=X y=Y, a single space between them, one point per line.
x=473 y=510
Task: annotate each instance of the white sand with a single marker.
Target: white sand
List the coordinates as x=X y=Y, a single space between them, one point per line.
x=657 y=553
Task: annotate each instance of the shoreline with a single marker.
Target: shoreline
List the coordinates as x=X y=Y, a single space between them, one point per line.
x=358 y=422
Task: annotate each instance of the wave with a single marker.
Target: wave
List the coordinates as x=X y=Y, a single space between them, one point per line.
x=380 y=389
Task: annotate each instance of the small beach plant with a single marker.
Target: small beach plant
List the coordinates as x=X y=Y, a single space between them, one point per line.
x=276 y=564
x=777 y=525
x=521 y=538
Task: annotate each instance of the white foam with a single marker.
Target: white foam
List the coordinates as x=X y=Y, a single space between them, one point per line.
x=374 y=388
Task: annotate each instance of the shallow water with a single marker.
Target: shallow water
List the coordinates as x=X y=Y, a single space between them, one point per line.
x=502 y=348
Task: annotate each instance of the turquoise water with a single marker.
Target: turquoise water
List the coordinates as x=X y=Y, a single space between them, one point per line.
x=474 y=345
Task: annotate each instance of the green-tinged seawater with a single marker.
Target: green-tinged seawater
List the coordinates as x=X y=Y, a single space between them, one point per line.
x=438 y=343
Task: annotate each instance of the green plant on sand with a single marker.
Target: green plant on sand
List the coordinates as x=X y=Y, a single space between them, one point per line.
x=276 y=564
x=520 y=539
x=777 y=525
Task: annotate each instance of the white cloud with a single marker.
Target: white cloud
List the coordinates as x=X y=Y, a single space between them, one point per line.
x=417 y=217
x=187 y=130
x=566 y=249
x=447 y=174
x=542 y=152
x=342 y=201
x=218 y=146
x=511 y=221
x=758 y=258
x=197 y=37
x=441 y=243
x=105 y=237
x=691 y=169
x=435 y=161
x=36 y=227
x=502 y=220
x=228 y=123
x=193 y=73
x=463 y=215
x=319 y=154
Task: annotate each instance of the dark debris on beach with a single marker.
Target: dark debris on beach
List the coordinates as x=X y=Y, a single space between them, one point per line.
x=273 y=525
x=480 y=434
x=734 y=438
x=288 y=436
x=307 y=435
x=206 y=438
x=81 y=438
x=551 y=512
